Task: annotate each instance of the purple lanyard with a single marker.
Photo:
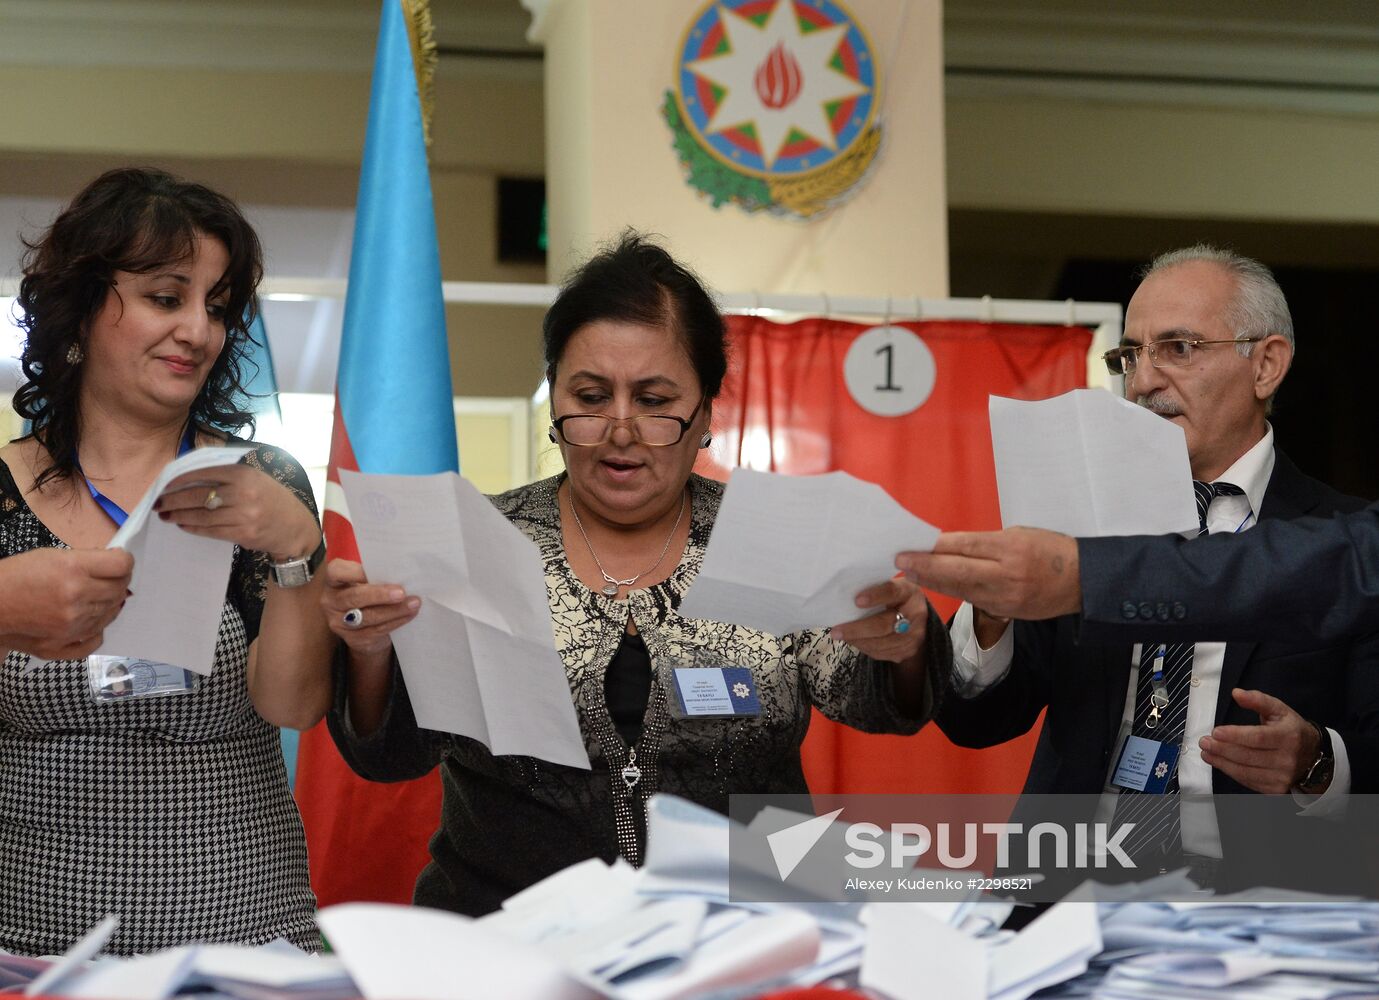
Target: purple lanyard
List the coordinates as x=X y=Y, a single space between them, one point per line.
x=113 y=510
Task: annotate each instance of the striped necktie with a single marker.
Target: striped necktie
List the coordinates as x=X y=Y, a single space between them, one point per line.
x=1156 y=816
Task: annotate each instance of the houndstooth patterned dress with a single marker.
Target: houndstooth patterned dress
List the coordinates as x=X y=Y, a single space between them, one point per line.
x=173 y=813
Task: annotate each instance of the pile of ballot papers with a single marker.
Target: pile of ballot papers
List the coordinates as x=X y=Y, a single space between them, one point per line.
x=1266 y=944
x=670 y=930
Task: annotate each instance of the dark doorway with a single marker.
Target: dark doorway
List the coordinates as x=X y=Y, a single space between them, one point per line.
x=1327 y=413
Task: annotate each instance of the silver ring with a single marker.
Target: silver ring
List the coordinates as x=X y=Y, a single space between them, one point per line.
x=902 y=624
x=214 y=501
x=353 y=618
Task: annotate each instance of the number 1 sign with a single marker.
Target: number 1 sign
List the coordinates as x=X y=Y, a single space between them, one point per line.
x=889 y=371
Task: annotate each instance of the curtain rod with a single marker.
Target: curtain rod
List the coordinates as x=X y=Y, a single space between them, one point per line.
x=984 y=309
x=1103 y=317
x=899 y=306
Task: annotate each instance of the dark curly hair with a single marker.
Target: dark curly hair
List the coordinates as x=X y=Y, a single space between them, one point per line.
x=637 y=281
x=136 y=220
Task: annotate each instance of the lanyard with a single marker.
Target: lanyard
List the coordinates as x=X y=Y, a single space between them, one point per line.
x=1158 y=697
x=113 y=510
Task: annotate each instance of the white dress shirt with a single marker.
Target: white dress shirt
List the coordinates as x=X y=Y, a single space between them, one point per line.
x=976 y=669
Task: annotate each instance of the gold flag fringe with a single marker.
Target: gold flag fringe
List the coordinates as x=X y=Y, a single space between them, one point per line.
x=421 y=30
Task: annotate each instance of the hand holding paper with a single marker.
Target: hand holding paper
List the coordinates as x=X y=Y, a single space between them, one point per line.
x=793 y=552
x=179 y=581
x=244 y=505
x=479 y=657
x=54 y=603
x=1088 y=464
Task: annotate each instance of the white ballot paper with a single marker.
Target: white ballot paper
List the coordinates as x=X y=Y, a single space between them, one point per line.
x=179 y=578
x=1088 y=463
x=793 y=552
x=412 y=953
x=479 y=658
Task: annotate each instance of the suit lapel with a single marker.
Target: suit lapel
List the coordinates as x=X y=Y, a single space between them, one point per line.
x=1289 y=495
x=1115 y=683
x=1237 y=656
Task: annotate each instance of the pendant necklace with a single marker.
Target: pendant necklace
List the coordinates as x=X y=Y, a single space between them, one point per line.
x=631 y=774
x=612 y=583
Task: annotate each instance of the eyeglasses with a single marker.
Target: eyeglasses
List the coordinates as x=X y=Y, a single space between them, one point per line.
x=1162 y=353
x=655 y=430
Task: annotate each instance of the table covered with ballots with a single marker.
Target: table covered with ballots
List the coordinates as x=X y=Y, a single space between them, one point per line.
x=673 y=930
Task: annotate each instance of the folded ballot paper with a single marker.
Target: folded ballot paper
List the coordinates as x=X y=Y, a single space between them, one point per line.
x=479 y=658
x=793 y=552
x=179 y=582
x=1088 y=463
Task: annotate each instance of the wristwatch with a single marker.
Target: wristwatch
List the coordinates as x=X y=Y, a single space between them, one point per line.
x=1318 y=776
x=298 y=572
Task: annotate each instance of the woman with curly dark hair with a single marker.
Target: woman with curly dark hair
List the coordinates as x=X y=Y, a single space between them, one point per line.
x=172 y=812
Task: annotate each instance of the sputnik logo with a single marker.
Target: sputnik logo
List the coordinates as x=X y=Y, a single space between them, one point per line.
x=789 y=846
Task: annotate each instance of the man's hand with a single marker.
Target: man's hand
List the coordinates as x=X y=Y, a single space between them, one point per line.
x=1271 y=757
x=1024 y=573
x=56 y=603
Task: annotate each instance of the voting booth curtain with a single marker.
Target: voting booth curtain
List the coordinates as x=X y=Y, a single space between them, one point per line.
x=821 y=395
x=800 y=398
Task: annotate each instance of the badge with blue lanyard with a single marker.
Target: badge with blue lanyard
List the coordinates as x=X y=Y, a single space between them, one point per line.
x=123 y=678
x=1145 y=764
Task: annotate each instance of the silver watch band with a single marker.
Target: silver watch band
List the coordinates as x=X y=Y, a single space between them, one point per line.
x=291 y=573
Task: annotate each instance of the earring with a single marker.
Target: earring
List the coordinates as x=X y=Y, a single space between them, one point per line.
x=550 y=433
x=704 y=441
x=75 y=355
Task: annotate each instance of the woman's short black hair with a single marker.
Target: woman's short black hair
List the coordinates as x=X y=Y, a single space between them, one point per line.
x=637 y=281
x=137 y=220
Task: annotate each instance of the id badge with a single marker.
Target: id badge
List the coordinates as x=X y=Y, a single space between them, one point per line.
x=714 y=693
x=1145 y=765
x=123 y=678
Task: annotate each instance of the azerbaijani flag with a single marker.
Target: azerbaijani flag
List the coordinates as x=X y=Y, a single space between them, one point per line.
x=394 y=413
x=260 y=378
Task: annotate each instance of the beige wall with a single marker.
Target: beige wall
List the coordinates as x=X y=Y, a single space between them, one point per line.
x=1030 y=153
x=295 y=139
x=612 y=165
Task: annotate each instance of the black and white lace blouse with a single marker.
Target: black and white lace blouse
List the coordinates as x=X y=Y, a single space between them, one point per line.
x=510 y=821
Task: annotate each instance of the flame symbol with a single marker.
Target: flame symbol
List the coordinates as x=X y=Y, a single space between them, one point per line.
x=778 y=78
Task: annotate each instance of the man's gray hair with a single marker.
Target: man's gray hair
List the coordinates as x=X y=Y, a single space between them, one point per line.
x=1258 y=309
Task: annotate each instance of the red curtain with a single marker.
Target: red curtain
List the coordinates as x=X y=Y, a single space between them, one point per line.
x=786 y=407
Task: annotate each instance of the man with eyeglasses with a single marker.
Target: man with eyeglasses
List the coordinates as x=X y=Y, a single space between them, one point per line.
x=1208 y=340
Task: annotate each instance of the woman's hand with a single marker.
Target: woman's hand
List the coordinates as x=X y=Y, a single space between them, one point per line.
x=374 y=610
x=876 y=636
x=241 y=505
x=55 y=603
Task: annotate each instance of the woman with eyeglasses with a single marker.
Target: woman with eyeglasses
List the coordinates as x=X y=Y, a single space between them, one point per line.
x=635 y=354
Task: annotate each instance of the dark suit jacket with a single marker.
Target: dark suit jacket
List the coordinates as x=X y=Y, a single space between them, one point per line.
x=1312 y=578
x=1083 y=683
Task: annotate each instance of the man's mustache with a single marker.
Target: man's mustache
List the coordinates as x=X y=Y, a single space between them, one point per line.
x=1161 y=403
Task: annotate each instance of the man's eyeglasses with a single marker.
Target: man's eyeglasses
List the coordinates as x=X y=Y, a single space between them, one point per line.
x=1162 y=353
x=655 y=430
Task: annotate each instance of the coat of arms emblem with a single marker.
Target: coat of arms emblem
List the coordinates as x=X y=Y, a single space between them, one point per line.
x=775 y=104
